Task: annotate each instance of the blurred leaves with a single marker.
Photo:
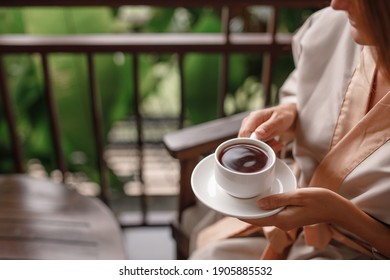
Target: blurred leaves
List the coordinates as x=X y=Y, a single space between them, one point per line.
x=159 y=76
x=249 y=96
x=70 y=80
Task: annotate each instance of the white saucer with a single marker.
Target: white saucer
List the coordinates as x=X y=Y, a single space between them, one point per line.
x=213 y=196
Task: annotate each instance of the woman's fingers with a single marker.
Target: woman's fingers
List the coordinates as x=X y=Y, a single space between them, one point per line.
x=272 y=202
x=264 y=123
x=252 y=121
x=269 y=123
x=279 y=200
x=276 y=145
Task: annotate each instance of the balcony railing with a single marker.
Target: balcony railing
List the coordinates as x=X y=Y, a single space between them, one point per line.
x=270 y=44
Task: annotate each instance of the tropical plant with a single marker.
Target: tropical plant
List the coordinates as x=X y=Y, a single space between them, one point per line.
x=159 y=78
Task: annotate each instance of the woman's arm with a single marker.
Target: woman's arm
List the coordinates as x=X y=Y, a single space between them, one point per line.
x=367 y=228
x=312 y=205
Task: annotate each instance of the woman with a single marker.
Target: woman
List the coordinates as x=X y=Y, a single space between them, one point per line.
x=342 y=209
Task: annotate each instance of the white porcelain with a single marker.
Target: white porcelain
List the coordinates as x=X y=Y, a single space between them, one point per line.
x=245 y=185
x=212 y=195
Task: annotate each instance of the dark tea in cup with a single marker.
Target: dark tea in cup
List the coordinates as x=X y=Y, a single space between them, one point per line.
x=245 y=167
x=243 y=158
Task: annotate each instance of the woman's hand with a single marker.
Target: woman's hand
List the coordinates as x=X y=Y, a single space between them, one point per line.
x=312 y=205
x=302 y=207
x=270 y=123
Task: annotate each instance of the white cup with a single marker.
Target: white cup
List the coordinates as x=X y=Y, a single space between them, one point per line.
x=242 y=184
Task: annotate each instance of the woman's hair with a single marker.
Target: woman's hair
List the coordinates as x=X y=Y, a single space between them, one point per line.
x=376 y=21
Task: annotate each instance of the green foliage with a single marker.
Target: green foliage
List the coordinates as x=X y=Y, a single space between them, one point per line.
x=201 y=76
x=159 y=77
x=70 y=82
x=249 y=96
x=292 y=19
x=161 y=20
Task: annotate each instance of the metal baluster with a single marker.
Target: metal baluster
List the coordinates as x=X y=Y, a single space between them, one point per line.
x=140 y=140
x=53 y=117
x=182 y=115
x=11 y=121
x=269 y=59
x=96 y=112
x=225 y=18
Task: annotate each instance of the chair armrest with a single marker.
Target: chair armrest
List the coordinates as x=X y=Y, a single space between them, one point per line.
x=197 y=140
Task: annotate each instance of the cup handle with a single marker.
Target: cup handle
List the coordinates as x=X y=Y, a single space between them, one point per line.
x=253 y=136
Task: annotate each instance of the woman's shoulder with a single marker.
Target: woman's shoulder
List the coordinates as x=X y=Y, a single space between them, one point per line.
x=329 y=15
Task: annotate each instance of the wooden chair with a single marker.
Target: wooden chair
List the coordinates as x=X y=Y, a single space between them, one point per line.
x=44 y=219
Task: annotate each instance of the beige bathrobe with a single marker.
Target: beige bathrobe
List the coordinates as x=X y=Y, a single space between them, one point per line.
x=331 y=125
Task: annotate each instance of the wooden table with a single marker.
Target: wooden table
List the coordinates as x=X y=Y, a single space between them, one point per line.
x=40 y=219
